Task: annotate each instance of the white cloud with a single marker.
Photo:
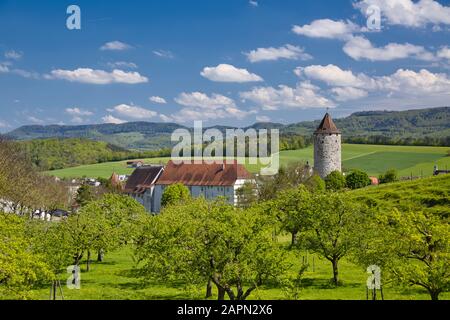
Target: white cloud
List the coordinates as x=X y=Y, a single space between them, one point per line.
x=200 y=106
x=165 y=118
x=410 y=13
x=3 y=124
x=78 y=115
x=35 y=120
x=288 y=51
x=326 y=28
x=87 y=75
x=360 y=48
x=444 y=53
x=303 y=96
x=253 y=3
x=229 y=73
x=133 y=112
x=115 y=46
x=403 y=83
x=157 y=99
x=334 y=76
x=262 y=119
x=349 y=93
x=164 y=54
x=122 y=64
x=14 y=55
x=416 y=83
x=4 y=68
x=78 y=112
x=112 y=119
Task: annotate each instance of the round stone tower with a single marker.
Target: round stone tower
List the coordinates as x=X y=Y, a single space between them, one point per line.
x=327 y=148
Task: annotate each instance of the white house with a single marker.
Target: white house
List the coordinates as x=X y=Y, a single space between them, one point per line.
x=208 y=180
x=141 y=184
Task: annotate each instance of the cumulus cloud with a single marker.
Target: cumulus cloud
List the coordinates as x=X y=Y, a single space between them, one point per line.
x=349 y=93
x=288 y=51
x=326 y=28
x=115 y=46
x=200 y=106
x=91 y=76
x=410 y=13
x=14 y=55
x=157 y=99
x=229 y=73
x=133 y=112
x=112 y=119
x=360 y=48
x=303 y=96
x=334 y=76
x=349 y=86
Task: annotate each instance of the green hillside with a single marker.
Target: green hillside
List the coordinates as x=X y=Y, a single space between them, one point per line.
x=373 y=159
x=416 y=127
x=430 y=194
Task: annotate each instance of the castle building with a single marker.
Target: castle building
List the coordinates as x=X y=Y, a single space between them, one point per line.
x=327 y=148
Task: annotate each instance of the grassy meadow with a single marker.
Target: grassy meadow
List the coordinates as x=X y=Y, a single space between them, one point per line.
x=374 y=159
x=114 y=279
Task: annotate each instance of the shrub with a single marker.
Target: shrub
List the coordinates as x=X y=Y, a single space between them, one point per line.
x=315 y=184
x=389 y=177
x=335 y=181
x=174 y=194
x=357 y=179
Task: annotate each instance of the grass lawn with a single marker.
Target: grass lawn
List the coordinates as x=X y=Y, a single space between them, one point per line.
x=374 y=159
x=113 y=280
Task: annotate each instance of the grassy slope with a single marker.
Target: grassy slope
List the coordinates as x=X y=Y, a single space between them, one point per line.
x=370 y=158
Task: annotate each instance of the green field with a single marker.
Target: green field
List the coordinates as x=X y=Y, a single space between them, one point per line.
x=374 y=159
x=114 y=279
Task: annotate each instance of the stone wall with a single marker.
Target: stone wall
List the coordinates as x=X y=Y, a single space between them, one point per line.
x=327 y=154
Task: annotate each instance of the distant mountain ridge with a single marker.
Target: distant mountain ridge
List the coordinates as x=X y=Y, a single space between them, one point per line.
x=421 y=126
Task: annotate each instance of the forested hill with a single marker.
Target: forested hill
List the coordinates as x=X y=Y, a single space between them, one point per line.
x=51 y=154
x=421 y=127
x=414 y=127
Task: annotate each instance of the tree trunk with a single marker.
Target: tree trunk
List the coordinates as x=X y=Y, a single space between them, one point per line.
x=434 y=295
x=335 y=272
x=100 y=255
x=221 y=293
x=208 y=289
x=88 y=262
x=294 y=238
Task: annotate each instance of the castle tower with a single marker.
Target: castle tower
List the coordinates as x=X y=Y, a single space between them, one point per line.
x=327 y=148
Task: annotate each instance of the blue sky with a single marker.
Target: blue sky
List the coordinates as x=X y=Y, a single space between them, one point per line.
x=224 y=62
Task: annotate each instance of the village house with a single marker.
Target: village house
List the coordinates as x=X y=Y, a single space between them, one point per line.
x=208 y=180
x=135 y=164
x=141 y=184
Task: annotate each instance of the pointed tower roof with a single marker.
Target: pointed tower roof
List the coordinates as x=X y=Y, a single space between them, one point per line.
x=327 y=126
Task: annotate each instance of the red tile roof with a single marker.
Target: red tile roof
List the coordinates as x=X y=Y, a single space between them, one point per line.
x=142 y=179
x=327 y=126
x=203 y=174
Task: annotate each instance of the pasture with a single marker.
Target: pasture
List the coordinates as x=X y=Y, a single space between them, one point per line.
x=374 y=159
